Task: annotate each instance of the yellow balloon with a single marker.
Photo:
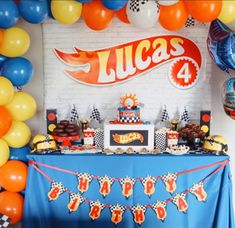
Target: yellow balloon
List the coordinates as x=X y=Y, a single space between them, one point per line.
x=227 y=14
x=4 y=152
x=16 y=42
x=18 y=135
x=22 y=107
x=6 y=91
x=66 y=12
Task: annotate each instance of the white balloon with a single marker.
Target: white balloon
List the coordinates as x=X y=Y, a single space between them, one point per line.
x=142 y=14
x=167 y=2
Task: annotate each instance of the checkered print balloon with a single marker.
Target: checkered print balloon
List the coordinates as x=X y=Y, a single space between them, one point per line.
x=142 y=13
x=4 y=221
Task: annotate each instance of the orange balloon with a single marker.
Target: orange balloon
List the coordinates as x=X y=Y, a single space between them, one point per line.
x=1 y=35
x=96 y=16
x=13 y=176
x=173 y=17
x=122 y=15
x=204 y=11
x=5 y=120
x=11 y=205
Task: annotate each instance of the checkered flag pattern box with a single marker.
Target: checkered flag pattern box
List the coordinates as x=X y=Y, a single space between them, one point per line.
x=4 y=221
x=160 y=140
x=99 y=138
x=95 y=114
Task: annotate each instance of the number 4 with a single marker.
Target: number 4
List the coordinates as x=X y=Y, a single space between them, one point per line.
x=184 y=73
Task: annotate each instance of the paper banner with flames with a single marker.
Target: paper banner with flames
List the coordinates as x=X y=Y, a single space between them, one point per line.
x=117 y=64
x=127 y=183
x=138 y=211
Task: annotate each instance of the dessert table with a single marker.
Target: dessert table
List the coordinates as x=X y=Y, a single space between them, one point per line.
x=213 y=171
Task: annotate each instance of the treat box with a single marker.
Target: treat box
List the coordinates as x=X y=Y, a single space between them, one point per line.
x=136 y=136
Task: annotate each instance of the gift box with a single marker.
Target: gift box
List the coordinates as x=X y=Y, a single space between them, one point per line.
x=99 y=138
x=88 y=135
x=172 y=138
x=161 y=139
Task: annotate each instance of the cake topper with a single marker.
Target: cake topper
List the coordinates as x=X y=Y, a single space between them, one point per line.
x=129 y=101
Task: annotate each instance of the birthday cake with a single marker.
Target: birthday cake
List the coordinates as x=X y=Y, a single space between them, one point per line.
x=129 y=112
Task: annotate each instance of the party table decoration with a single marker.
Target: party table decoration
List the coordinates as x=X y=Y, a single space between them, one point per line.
x=133 y=206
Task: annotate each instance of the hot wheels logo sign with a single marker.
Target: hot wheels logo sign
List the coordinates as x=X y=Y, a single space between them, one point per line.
x=128 y=138
x=110 y=66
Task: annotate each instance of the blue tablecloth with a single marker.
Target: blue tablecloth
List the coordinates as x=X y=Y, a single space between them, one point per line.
x=216 y=212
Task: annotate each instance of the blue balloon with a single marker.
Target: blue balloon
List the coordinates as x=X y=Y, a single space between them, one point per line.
x=49 y=9
x=2 y=60
x=34 y=11
x=84 y=1
x=9 y=13
x=221 y=45
x=19 y=153
x=18 y=70
x=114 y=4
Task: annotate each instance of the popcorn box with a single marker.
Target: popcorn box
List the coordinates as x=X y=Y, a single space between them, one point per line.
x=88 y=135
x=172 y=138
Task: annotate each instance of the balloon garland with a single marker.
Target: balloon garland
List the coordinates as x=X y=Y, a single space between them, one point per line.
x=98 y=14
x=15 y=106
x=17 y=71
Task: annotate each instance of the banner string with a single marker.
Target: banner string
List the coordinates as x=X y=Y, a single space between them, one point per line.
x=31 y=162
x=223 y=164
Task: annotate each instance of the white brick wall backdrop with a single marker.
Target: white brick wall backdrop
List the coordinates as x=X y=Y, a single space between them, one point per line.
x=153 y=88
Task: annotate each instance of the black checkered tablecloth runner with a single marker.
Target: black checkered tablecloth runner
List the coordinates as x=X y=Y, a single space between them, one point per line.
x=4 y=221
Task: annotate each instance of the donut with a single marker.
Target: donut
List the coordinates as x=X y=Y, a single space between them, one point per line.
x=70 y=130
x=64 y=122
x=62 y=134
x=73 y=133
x=58 y=130
x=72 y=126
x=60 y=126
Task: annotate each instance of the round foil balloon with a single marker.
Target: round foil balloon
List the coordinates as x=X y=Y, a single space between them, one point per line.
x=220 y=44
x=142 y=14
x=229 y=97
